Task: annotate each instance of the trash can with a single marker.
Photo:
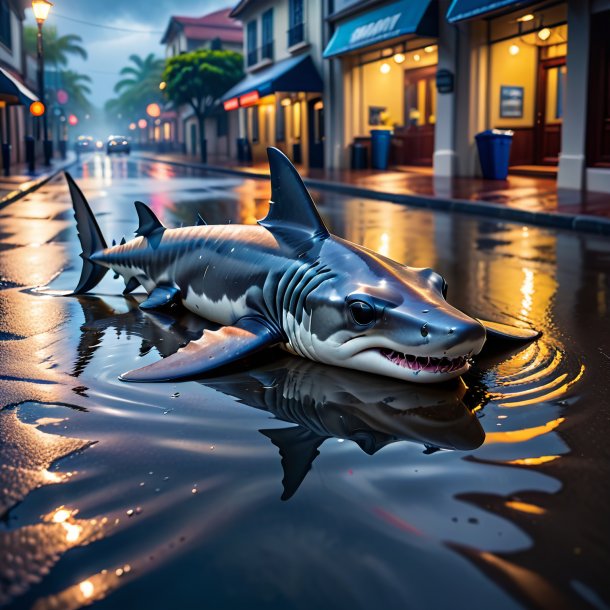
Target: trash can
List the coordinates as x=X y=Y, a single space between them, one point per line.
x=494 y=152
x=380 y=145
x=360 y=156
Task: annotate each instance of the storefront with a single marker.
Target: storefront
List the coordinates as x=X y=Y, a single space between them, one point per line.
x=280 y=106
x=527 y=83
x=15 y=99
x=388 y=66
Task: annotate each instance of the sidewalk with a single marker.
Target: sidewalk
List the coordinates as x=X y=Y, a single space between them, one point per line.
x=529 y=199
x=21 y=182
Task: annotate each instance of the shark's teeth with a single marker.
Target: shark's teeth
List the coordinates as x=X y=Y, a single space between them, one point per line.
x=428 y=364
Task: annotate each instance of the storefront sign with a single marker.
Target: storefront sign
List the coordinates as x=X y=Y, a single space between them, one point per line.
x=249 y=99
x=444 y=81
x=511 y=102
x=386 y=22
x=370 y=31
x=232 y=104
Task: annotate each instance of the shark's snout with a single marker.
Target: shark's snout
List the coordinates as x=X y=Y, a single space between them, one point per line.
x=453 y=336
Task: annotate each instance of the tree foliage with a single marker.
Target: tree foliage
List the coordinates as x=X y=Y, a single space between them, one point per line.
x=138 y=87
x=199 y=78
x=57 y=49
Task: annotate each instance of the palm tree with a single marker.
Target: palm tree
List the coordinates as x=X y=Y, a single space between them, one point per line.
x=57 y=49
x=138 y=87
x=77 y=87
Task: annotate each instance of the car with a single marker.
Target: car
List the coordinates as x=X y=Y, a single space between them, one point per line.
x=84 y=143
x=117 y=144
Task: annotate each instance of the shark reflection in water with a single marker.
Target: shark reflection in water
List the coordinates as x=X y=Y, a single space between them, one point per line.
x=329 y=402
x=323 y=402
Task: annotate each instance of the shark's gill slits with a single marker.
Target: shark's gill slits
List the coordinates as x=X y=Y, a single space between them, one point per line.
x=425 y=363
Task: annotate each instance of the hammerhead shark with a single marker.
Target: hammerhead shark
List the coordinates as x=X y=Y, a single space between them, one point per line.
x=287 y=281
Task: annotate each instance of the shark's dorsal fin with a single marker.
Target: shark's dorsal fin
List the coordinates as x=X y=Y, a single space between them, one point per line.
x=200 y=222
x=292 y=216
x=123 y=241
x=148 y=222
x=298 y=449
x=113 y=243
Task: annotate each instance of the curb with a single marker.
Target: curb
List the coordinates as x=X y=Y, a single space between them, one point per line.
x=555 y=220
x=35 y=184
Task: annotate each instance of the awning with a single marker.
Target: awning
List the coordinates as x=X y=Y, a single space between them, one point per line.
x=415 y=17
x=13 y=92
x=290 y=75
x=460 y=10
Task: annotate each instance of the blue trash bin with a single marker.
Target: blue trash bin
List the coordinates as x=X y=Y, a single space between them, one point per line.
x=380 y=144
x=494 y=152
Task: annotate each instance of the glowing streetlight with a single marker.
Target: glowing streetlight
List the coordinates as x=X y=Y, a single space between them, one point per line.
x=41 y=10
x=162 y=85
x=153 y=110
x=37 y=108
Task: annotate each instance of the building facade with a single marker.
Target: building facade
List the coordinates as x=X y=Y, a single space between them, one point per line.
x=15 y=97
x=437 y=72
x=280 y=101
x=178 y=129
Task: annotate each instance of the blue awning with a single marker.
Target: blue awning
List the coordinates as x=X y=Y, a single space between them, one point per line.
x=460 y=10
x=290 y=75
x=13 y=92
x=415 y=17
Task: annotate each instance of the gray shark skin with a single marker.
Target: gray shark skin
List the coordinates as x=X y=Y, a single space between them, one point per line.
x=329 y=402
x=287 y=281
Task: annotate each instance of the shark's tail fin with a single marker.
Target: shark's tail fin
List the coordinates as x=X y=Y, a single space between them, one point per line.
x=90 y=236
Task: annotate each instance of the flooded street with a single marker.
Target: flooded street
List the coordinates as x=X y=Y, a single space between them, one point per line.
x=285 y=483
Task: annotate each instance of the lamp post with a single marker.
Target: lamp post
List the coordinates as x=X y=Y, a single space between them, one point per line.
x=41 y=10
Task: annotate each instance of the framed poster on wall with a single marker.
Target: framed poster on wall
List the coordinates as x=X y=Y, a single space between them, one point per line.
x=511 y=102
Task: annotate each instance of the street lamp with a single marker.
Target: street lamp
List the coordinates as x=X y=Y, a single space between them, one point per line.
x=41 y=10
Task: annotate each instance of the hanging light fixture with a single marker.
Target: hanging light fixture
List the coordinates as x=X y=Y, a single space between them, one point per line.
x=544 y=34
x=384 y=68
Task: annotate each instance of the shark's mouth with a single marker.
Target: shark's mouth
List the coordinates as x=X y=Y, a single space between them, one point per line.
x=428 y=364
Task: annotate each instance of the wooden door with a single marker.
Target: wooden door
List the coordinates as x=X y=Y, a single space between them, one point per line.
x=420 y=117
x=550 y=104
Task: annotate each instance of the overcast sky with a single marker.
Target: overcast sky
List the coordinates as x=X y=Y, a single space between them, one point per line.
x=109 y=49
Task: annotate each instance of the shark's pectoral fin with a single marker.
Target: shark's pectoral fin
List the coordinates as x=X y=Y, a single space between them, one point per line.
x=509 y=334
x=215 y=349
x=298 y=449
x=161 y=296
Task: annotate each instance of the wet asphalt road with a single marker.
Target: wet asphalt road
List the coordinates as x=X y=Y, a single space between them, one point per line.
x=288 y=484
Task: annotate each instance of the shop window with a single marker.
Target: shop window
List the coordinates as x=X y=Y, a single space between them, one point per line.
x=318 y=121
x=296 y=121
x=254 y=123
x=252 y=43
x=296 y=32
x=5 y=25
x=267 y=49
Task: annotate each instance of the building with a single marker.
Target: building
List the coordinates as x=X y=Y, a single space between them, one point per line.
x=437 y=72
x=216 y=31
x=15 y=97
x=280 y=100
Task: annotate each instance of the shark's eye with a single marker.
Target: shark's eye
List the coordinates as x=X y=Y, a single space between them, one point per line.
x=362 y=313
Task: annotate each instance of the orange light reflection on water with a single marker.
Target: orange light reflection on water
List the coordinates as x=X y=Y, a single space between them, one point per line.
x=520 y=436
